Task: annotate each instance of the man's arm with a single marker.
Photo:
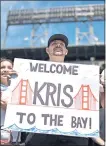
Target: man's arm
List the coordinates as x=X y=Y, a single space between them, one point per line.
x=98 y=140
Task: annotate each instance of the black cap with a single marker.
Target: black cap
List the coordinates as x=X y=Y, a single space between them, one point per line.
x=58 y=37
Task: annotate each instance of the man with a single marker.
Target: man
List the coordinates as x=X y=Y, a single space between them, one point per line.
x=7 y=73
x=56 y=50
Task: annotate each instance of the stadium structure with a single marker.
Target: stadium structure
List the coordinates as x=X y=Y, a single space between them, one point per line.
x=92 y=52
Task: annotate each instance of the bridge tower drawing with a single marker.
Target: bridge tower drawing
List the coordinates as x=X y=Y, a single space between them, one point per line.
x=84 y=99
x=22 y=94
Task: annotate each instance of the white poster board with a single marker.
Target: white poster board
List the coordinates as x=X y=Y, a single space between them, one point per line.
x=54 y=98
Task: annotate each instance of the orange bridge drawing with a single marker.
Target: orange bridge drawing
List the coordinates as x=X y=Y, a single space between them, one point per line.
x=22 y=94
x=84 y=99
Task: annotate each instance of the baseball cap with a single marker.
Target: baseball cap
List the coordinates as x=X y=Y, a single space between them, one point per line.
x=58 y=37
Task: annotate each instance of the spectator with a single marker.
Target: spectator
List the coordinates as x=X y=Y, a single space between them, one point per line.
x=7 y=73
x=56 y=50
x=101 y=140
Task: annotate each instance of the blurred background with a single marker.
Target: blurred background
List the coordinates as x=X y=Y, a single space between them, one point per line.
x=27 y=25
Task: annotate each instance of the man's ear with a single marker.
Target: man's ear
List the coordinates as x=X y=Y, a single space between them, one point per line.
x=66 y=51
x=47 y=50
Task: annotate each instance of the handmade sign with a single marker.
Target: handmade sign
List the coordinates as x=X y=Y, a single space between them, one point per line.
x=54 y=98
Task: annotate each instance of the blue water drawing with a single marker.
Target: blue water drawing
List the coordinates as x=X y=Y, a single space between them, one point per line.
x=53 y=131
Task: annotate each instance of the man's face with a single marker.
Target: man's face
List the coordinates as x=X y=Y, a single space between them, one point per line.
x=6 y=67
x=57 y=48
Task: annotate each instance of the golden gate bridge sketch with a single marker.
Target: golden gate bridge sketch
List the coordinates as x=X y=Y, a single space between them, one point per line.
x=84 y=99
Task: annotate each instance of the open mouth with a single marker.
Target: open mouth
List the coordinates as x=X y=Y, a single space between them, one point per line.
x=58 y=52
x=4 y=74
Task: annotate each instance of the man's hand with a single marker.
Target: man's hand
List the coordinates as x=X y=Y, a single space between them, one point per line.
x=99 y=141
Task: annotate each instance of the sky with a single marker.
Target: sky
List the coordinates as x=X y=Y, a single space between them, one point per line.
x=20 y=36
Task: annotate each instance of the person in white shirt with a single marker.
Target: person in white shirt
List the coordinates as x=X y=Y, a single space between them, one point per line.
x=56 y=50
